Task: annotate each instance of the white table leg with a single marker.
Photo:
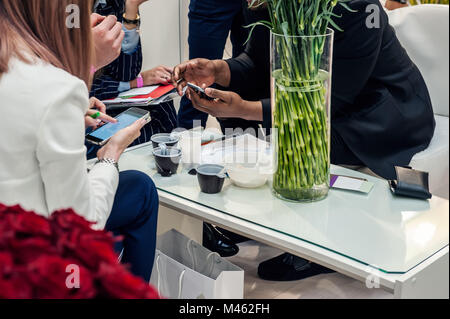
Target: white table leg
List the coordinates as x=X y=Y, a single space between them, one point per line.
x=429 y=280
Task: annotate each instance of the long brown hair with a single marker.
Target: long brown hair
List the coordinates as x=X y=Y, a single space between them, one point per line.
x=39 y=27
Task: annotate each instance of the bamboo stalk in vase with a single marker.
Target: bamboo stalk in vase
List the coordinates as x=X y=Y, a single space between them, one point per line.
x=300 y=37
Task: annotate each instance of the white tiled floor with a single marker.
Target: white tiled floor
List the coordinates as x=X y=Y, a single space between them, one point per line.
x=335 y=286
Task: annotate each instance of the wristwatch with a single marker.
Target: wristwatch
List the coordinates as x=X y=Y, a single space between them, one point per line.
x=401 y=1
x=109 y=161
x=136 y=21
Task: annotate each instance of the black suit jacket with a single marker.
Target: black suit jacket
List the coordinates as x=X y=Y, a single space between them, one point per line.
x=380 y=108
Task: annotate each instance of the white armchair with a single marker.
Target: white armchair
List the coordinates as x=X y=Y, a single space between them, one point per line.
x=424 y=32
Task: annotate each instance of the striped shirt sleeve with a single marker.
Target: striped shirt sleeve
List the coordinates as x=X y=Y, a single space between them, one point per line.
x=125 y=68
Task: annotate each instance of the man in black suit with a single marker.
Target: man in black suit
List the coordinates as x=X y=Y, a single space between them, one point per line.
x=381 y=110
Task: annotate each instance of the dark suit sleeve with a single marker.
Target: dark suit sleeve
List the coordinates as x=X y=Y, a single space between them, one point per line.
x=356 y=52
x=250 y=71
x=243 y=74
x=244 y=79
x=104 y=87
x=267 y=113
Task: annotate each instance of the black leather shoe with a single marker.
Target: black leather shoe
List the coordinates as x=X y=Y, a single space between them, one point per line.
x=288 y=267
x=217 y=242
x=235 y=238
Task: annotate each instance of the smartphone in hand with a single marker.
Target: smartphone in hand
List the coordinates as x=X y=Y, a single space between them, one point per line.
x=104 y=133
x=201 y=92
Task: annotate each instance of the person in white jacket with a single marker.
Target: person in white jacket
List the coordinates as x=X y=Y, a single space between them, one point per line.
x=44 y=80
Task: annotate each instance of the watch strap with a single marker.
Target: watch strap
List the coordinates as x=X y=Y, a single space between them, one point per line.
x=136 y=21
x=140 y=81
x=109 y=161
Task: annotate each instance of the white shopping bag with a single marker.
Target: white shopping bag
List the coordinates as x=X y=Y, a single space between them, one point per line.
x=183 y=269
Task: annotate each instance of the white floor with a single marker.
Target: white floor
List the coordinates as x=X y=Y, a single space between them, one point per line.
x=326 y=286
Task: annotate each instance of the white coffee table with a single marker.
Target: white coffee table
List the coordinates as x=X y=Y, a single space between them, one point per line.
x=394 y=243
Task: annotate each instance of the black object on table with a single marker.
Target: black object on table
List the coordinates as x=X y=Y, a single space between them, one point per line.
x=411 y=183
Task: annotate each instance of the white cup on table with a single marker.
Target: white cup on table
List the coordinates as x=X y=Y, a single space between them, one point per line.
x=191 y=148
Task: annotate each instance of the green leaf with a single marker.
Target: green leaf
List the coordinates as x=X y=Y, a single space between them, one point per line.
x=330 y=21
x=266 y=24
x=346 y=6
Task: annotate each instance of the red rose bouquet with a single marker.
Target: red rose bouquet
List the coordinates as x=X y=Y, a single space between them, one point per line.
x=61 y=258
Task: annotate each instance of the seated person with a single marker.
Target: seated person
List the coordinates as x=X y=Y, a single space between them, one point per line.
x=381 y=111
x=121 y=75
x=44 y=81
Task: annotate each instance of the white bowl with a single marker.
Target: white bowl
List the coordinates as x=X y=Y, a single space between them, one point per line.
x=246 y=175
x=249 y=167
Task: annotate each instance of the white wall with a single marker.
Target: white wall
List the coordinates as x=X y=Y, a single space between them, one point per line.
x=164 y=32
x=184 y=27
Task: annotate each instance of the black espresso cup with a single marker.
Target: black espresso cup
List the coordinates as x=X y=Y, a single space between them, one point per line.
x=211 y=178
x=164 y=138
x=167 y=161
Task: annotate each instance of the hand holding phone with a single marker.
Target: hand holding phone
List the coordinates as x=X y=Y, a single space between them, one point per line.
x=201 y=92
x=96 y=115
x=121 y=141
x=103 y=134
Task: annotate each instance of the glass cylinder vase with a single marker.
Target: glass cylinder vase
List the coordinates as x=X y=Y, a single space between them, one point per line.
x=301 y=98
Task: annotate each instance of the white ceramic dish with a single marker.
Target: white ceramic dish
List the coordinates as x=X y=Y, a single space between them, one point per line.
x=246 y=175
x=248 y=168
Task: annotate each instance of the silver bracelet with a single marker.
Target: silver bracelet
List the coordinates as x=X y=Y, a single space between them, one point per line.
x=109 y=161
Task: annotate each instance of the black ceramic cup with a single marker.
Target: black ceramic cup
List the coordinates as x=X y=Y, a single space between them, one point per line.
x=164 y=138
x=167 y=163
x=211 y=178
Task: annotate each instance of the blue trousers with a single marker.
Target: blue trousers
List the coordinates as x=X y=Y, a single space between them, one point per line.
x=210 y=22
x=135 y=216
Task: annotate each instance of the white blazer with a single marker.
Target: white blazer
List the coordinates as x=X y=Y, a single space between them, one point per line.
x=42 y=153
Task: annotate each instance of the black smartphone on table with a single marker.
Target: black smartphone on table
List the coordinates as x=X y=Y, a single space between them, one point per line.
x=104 y=133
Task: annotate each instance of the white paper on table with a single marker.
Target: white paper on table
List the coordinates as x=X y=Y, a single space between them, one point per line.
x=121 y=100
x=139 y=91
x=165 y=98
x=348 y=183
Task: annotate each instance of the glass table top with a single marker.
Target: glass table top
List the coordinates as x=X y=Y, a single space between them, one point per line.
x=389 y=233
